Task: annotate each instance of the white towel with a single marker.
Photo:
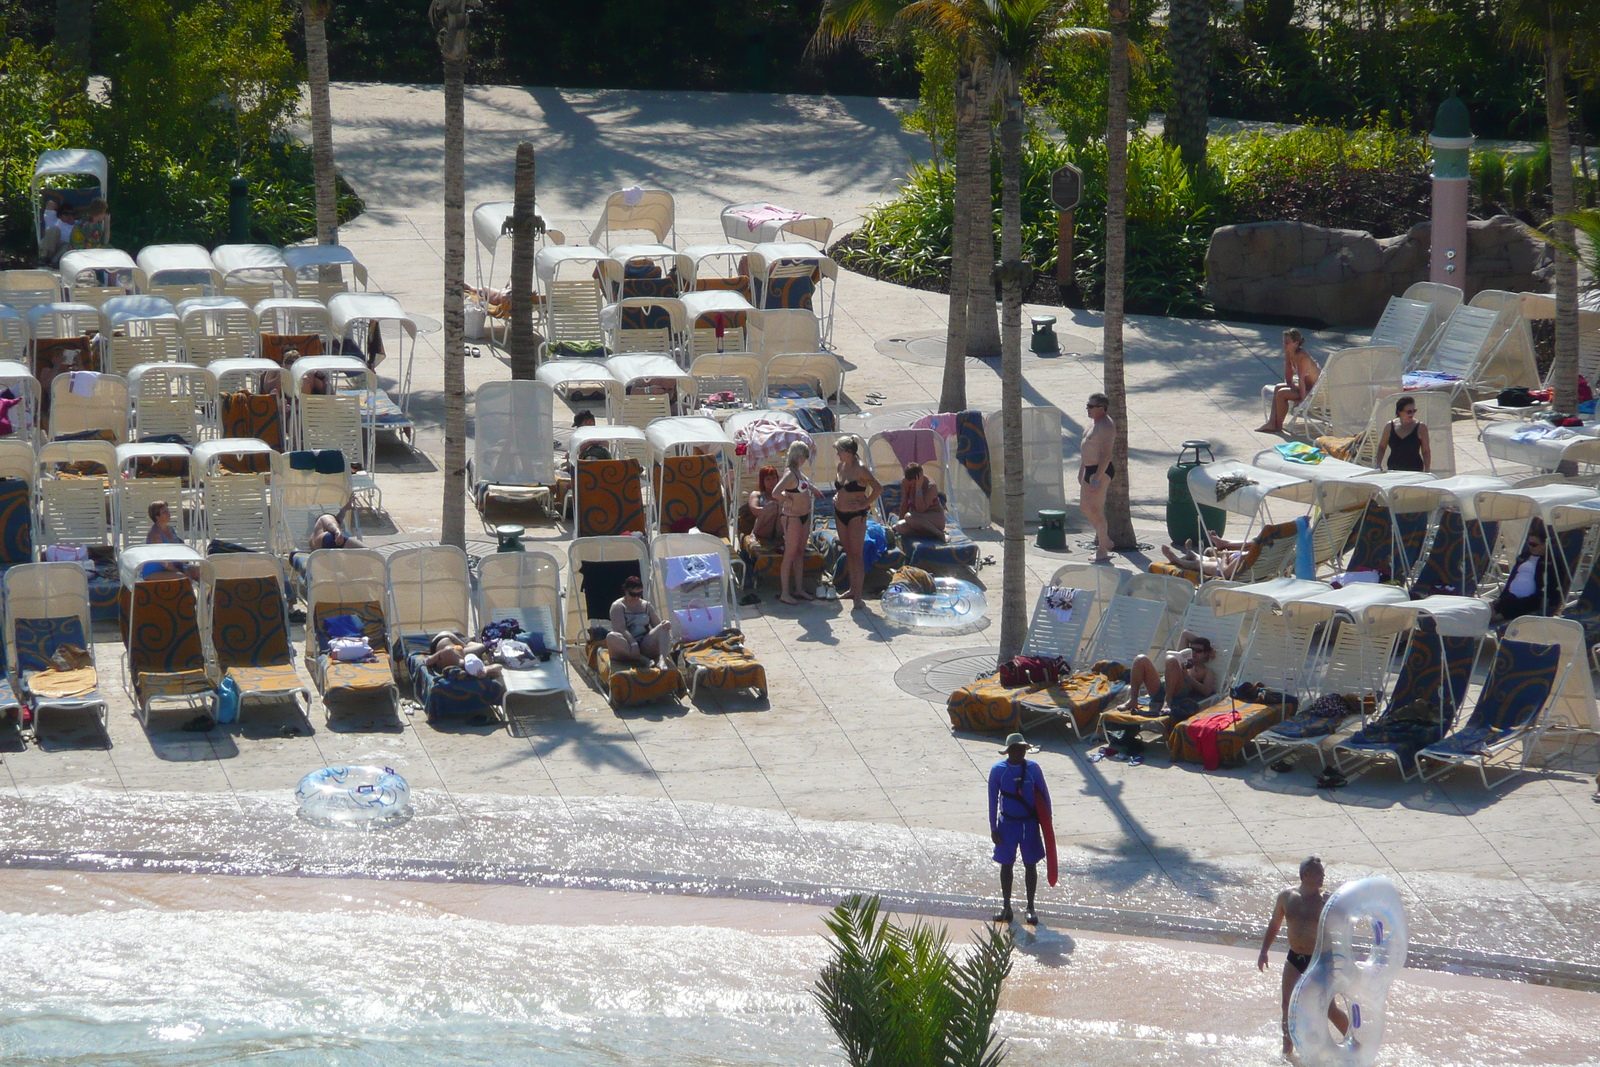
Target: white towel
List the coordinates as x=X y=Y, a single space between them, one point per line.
x=83 y=382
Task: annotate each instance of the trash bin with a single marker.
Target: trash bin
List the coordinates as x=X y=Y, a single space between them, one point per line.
x=1182 y=524
x=1052 y=531
x=509 y=538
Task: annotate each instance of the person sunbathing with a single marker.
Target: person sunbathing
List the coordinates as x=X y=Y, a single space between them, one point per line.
x=1184 y=682
x=1223 y=560
x=328 y=533
x=921 y=510
x=638 y=635
x=450 y=650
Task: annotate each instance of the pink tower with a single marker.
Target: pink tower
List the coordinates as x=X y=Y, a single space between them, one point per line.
x=1452 y=152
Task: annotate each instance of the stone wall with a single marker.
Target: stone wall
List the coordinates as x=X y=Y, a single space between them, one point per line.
x=1293 y=270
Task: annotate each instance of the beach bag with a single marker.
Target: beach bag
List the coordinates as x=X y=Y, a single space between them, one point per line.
x=699 y=621
x=350 y=649
x=228 y=701
x=686 y=572
x=1034 y=671
x=65 y=554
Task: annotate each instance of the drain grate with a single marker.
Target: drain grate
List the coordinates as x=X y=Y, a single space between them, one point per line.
x=935 y=677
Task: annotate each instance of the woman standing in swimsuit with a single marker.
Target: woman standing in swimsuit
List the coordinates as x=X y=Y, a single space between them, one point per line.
x=1405 y=439
x=794 y=494
x=854 y=491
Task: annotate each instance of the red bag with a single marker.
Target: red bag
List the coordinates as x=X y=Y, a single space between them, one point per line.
x=1032 y=670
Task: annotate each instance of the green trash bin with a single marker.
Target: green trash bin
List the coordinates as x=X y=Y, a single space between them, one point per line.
x=1052 y=531
x=1182 y=523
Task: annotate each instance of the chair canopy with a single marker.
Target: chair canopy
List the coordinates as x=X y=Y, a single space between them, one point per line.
x=562 y=374
x=555 y=263
x=725 y=302
x=64 y=320
x=636 y=210
x=199 y=309
x=291 y=315
x=761 y=221
x=824 y=369
x=1273 y=594
x=489 y=219
x=65 y=162
x=142 y=307
x=84 y=260
x=234 y=373
x=669 y=262
x=635 y=367
x=208 y=455
x=332 y=368
x=1258 y=486
x=677 y=435
x=1460 y=492
x=134 y=558
x=129 y=455
x=630 y=439
x=345 y=308
x=305 y=260
x=18 y=460
x=718 y=267
x=1453 y=616
x=179 y=264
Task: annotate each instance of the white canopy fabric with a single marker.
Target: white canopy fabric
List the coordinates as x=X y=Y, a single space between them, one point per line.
x=736 y=226
x=156 y=260
x=1545 y=452
x=120 y=309
x=630 y=368
x=71 y=161
x=234 y=258
x=740 y=419
x=1454 y=616
x=1509 y=505
x=199 y=305
x=624 y=434
x=299 y=257
x=1351 y=601
x=127 y=454
x=1247 y=499
x=764 y=255
x=713 y=301
x=207 y=453
x=132 y=561
x=557 y=373
x=551 y=259
x=345 y=308
x=686 y=431
x=81 y=259
x=225 y=369
x=515 y=430
x=1273 y=593
x=1459 y=492
x=67 y=310
x=488 y=219
x=346 y=366
x=1334 y=470
x=1566 y=516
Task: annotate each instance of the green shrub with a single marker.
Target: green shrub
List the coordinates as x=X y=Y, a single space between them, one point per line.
x=42 y=111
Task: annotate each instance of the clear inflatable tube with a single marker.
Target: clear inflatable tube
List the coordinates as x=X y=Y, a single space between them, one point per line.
x=953 y=604
x=1334 y=972
x=354 y=796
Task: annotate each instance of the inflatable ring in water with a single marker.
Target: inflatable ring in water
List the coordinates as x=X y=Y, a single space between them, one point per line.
x=953 y=604
x=354 y=796
x=1335 y=972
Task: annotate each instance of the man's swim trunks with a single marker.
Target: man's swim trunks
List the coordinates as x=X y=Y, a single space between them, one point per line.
x=1019 y=834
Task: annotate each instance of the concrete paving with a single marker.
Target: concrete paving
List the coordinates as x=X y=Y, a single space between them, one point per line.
x=838 y=741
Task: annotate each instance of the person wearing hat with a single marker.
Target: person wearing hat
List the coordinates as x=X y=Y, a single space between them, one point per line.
x=1017 y=795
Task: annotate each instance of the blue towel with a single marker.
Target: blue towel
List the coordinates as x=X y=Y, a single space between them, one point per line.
x=874 y=544
x=1304 y=559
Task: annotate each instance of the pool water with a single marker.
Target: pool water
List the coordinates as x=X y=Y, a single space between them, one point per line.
x=118 y=969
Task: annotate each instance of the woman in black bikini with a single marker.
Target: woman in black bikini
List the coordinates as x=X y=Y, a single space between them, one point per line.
x=794 y=494
x=1405 y=439
x=854 y=491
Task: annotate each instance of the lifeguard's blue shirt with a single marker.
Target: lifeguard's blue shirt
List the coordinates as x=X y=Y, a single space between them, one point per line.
x=1006 y=777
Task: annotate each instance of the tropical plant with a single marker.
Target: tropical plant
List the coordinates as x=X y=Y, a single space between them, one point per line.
x=898 y=997
x=1119 y=515
x=450 y=18
x=523 y=343
x=315 y=17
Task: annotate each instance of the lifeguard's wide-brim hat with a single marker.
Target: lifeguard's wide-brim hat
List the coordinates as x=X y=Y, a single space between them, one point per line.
x=1014 y=740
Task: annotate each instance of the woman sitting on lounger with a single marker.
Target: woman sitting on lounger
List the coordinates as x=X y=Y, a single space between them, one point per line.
x=1223 y=560
x=765 y=507
x=637 y=633
x=921 y=510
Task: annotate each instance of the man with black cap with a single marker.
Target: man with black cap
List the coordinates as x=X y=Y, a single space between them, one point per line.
x=1017 y=796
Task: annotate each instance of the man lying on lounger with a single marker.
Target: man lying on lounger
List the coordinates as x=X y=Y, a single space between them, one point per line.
x=1189 y=680
x=1222 y=560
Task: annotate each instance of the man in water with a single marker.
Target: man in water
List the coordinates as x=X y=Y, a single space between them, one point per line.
x=1301 y=908
x=1300 y=374
x=1095 y=472
x=1016 y=792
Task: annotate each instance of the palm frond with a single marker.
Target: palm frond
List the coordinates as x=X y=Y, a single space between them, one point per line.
x=976 y=983
x=845 y=20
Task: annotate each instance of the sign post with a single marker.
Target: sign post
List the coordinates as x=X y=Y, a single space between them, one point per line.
x=1066 y=190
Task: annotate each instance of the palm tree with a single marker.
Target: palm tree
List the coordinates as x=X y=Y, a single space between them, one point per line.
x=1553 y=25
x=315 y=14
x=1118 y=514
x=450 y=17
x=897 y=996
x=523 y=343
x=1189 y=46
x=970 y=327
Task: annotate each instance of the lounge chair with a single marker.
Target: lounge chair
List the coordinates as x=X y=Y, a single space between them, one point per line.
x=721 y=660
x=46 y=607
x=233 y=478
x=596 y=569
x=1342 y=398
x=430 y=591
x=167 y=666
x=306 y=485
x=1269 y=554
x=1444 y=635
x=350 y=582
x=18 y=492
x=249 y=615
x=513 y=461
x=1404 y=325
x=887 y=453
x=608 y=498
x=1520 y=683
x=526 y=587
x=987 y=706
x=96 y=406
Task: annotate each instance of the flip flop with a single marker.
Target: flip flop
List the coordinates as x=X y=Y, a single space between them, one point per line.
x=1283 y=766
x=1136 y=761
x=1099 y=754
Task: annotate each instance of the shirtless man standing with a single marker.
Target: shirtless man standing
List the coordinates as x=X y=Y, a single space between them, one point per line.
x=1301 y=909
x=1095 y=472
x=1300 y=373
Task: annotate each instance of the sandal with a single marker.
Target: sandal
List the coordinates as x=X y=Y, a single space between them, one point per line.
x=1332 y=780
x=1283 y=766
x=1099 y=754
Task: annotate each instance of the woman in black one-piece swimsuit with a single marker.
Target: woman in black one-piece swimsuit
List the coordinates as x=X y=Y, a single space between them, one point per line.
x=1405 y=439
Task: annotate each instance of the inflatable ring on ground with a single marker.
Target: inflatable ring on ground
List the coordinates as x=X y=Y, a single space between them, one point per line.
x=1335 y=972
x=953 y=604
x=354 y=796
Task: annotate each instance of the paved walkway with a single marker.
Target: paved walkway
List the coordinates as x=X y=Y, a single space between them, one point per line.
x=1513 y=871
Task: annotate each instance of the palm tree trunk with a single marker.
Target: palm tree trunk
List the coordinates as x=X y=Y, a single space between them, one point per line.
x=523 y=343
x=1564 y=372
x=953 y=390
x=983 y=334
x=1189 y=46
x=454 y=513
x=327 y=191
x=1118 y=515
x=1014 y=273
